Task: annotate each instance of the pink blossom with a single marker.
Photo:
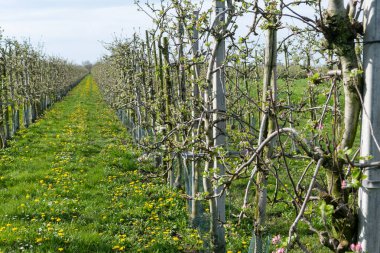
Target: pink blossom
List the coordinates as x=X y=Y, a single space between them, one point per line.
x=344 y=186
x=356 y=247
x=320 y=126
x=280 y=250
x=276 y=239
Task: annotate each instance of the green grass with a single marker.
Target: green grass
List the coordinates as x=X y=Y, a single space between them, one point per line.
x=71 y=183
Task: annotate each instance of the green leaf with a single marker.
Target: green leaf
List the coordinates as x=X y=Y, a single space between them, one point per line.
x=326 y=210
x=356 y=173
x=315 y=79
x=348 y=151
x=355 y=183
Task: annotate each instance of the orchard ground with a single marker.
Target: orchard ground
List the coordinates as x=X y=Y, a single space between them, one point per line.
x=71 y=183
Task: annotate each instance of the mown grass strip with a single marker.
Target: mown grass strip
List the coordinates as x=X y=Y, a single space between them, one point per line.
x=70 y=183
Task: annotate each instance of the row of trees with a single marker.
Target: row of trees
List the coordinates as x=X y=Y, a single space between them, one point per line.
x=207 y=106
x=30 y=83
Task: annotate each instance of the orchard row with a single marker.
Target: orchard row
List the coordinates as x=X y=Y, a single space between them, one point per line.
x=222 y=118
x=30 y=83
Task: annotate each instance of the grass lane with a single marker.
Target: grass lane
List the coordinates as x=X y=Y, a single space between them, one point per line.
x=70 y=183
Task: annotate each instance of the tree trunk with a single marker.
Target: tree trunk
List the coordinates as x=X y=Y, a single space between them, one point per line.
x=168 y=102
x=195 y=215
x=268 y=97
x=338 y=29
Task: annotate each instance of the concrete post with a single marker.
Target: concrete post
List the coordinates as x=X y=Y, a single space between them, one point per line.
x=369 y=194
x=219 y=108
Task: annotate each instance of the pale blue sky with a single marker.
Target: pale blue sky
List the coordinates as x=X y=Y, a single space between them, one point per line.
x=75 y=29
x=72 y=29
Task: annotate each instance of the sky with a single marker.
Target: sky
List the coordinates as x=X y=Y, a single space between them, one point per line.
x=72 y=29
x=77 y=29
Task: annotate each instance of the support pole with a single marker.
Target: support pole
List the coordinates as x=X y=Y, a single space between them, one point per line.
x=369 y=194
x=219 y=119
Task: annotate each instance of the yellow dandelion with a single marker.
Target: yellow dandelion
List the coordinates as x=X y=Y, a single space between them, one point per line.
x=60 y=233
